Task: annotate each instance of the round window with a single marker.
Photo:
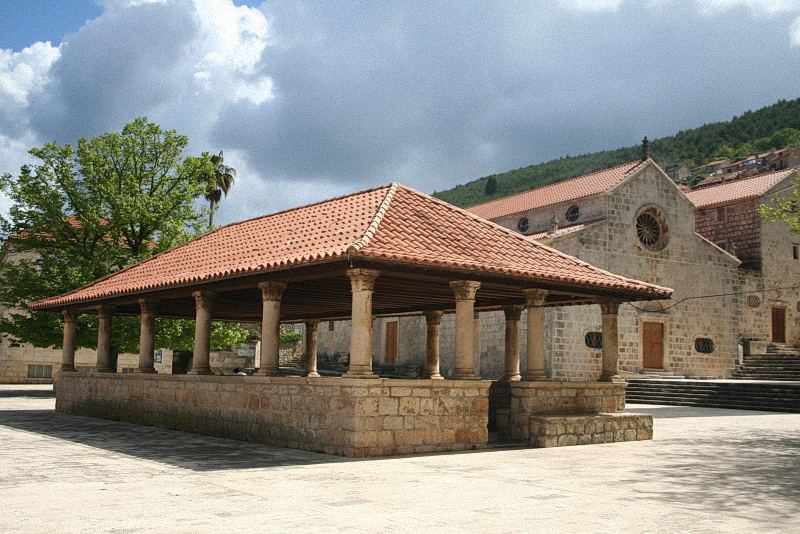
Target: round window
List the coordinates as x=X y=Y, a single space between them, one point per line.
x=704 y=345
x=593 y=340
x=573 y=213
x=753 y=301
x=651 y=228
x=523 y=225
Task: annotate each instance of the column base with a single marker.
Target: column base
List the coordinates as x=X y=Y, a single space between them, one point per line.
x=615 y=379
x=268 y=372
x=312 y=374
x=360 y=371
x=146 y=371
x=105 y=370
x=536 y=377
x=201 y=371
x=68 y=369
x=436 y=376
x=468 y=374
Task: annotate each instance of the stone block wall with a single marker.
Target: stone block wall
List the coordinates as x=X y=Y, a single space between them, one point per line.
x=355 y=418
x=565 y=430
x=556 y=398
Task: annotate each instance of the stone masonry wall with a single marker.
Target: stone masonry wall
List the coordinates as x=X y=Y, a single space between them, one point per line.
x=355 y=418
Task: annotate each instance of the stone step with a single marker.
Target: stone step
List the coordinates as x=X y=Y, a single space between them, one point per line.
x=768 y=396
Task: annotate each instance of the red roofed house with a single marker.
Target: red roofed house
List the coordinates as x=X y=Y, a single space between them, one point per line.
x=384 y=252
x=770 y=254
x=633 y=220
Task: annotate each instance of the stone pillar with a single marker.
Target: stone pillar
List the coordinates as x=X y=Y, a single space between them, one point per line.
x=362 y=282
x=610 y=352
x=202 y=333
x=104 y=340
x=311 y=348
x=513 y=313
x=433 y=321
x=271 y=293
x=465 y=328
x=147 y=335
x=534 y=304
x=68 y=343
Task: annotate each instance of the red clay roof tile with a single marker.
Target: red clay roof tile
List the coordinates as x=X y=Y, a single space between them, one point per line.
x=573 y=189
x=392 y=223
x=736 y=190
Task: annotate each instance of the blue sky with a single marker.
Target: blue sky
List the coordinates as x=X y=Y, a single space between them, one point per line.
x=312 y=99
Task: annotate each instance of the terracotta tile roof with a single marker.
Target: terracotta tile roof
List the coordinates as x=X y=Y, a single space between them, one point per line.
x=737 y=190
x=573 y=189
x=393 y=223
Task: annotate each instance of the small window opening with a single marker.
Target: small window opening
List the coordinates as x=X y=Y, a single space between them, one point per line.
x=594 y=340
x=704 y=345
x=523 y=225
x=573 y=213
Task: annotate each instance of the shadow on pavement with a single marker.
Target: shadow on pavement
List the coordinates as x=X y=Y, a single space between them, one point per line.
x=673 y=412
x=180 y=449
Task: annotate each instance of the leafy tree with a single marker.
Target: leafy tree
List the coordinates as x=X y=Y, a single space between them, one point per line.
x=83 y=213
x=491 y=186
x=218 y=180
x=785 y=209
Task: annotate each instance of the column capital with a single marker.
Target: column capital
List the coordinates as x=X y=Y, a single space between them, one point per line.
x=271 y=290
x=362 y=279
x=534 y=298
x=203 y=299
x=513 y=312
x=148 y=306
x=312 y=322
x=105 y=310
x=70 y=316
x=610 y=306
x=433 y=316
x=465 y=289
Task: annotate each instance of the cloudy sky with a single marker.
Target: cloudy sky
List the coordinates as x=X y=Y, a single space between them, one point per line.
x=313 y=99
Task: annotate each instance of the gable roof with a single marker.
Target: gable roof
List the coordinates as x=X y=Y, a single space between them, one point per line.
x=737 y=190
x=392 y=223
x=573 y=189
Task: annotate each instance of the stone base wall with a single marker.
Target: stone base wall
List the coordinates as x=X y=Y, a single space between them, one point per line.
x=563 y=430
x=529 y=400
x=348 y=417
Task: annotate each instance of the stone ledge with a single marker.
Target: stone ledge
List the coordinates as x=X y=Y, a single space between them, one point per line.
x=585 y=429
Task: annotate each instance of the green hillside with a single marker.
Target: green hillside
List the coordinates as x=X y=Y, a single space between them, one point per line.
x=775 y=126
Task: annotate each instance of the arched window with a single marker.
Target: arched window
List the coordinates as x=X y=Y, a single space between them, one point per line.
x=593 y=340
x=704 y=345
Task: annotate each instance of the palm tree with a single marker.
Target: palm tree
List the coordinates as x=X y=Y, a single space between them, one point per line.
x=219 y=183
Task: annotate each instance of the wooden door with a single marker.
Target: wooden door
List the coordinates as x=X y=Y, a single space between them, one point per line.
x=653 y=345
x=390 y=356
x=778 y=325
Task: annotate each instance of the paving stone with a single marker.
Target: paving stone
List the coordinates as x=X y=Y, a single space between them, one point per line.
x=705 y=471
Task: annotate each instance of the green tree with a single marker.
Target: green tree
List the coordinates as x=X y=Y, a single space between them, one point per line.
x=82 y=213
x=785 y=209
x=218 y=179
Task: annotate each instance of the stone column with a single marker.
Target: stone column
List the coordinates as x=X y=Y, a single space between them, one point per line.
x=311 y=348
x=104 y=340
x=513 y=313
x=534 y=304
x=362 y=282
x=147 y=335
x=465 y=328
x=610 y=352
x=68 y=343
x=433 y=321
x=271 y=293
x=202 y=333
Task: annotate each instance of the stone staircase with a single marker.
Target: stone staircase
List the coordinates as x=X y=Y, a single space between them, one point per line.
x=779 y=362
x=732 y=394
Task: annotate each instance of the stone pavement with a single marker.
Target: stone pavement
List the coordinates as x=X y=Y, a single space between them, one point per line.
x=706 y=471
